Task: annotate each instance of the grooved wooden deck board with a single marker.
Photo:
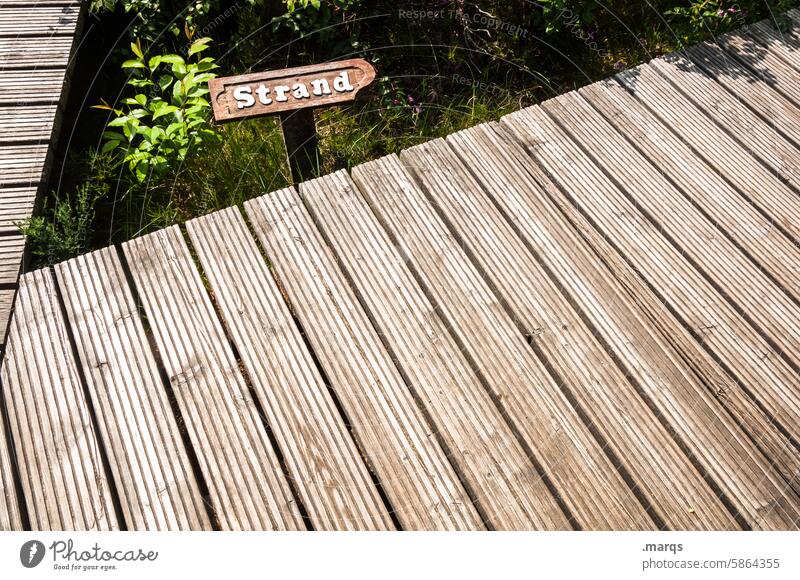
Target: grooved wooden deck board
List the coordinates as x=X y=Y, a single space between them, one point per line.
x=26 y=124
x=781 y=155
x=421 y=485
x=32 y=87
x=741 y=222
x=63 y=477
x=588 y=482
x=777 y=111
x=247 y=486
x=784 y=45
x=11 y=248
x=43 y=21
x=10 y=516
x=34 y=53
x=22 y=164
x=740 y=167
x=644 y=189
x=323 y=459
x=622 y=318
x=604 y=391
x=684 y=281
x=504 y=481
x=149 y=463
x=757 y=54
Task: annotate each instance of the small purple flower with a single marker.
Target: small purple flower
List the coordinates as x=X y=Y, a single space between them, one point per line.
x=619 y=65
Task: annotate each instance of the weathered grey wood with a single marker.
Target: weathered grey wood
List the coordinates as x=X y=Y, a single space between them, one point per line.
x=775 y=251
x=322 y=458
x=247 y=486
x=504 y=481
x=11 y=248
x=784 y=45
x=34 y=53
x=63 y=478
x=45 y=21
x=692 y=233
x=6 y=303
x=606 y=392
x=26 y=124
x=779 y=154
x=149 y=463
x=761 y=58
x=16 y=205
x=421 y=485
x=10 y=517
x=684 y=289
x=580 y=471
x=620 y=312
x=22 y=164
x=31 y=87
x=781 y=114
x=741 y=168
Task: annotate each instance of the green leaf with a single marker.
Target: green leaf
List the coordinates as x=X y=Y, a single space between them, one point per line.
x=154 y=62
x=119 y=121
x=164 y=81
x=137 y=49
x=109 y=146
x=165 y=110
x=172 y=59
x=133 y=64
x=199 y=45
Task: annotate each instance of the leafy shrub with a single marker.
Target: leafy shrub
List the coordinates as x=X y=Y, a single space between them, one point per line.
x=68 y=232
x=168 y=117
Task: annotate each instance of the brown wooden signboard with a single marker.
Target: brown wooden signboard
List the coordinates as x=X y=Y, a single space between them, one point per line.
x=281 y=91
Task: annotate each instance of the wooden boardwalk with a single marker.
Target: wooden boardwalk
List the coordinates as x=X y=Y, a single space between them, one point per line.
x=37 y=39
x=584 y=316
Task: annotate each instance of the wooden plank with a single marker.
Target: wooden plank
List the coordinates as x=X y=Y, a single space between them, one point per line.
x=16 y=205
x=779 y=154
x=22 y=88
x=689 y=295
x=26 y=124
x=517 y=232
x=503 y=480
x=761 y=58
x=588 y=482
x=738 y=166
x=63 y=478
x=247 y=486
x=157 y=488
x=688 y=259
x=11 y=249
x=692 y=233
x=6 y=304
x=783 y=44
x=777 y=254
x=22 y=164
x=778 y=112
x=607 y=393
x=45 y=21
x=34 y=53
x=10 y=516
x=419 y=482
x=322 y=458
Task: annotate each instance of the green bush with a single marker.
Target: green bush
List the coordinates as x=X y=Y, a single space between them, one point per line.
x=169 y=114
x=68 y=232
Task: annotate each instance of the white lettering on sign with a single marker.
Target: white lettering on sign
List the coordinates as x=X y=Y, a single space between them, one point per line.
x=244 y=95
x=278 y=91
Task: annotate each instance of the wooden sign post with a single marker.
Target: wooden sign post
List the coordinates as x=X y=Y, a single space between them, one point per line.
x=292 y=94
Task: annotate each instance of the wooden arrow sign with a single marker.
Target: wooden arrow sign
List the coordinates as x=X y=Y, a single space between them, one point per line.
x=280 y=91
